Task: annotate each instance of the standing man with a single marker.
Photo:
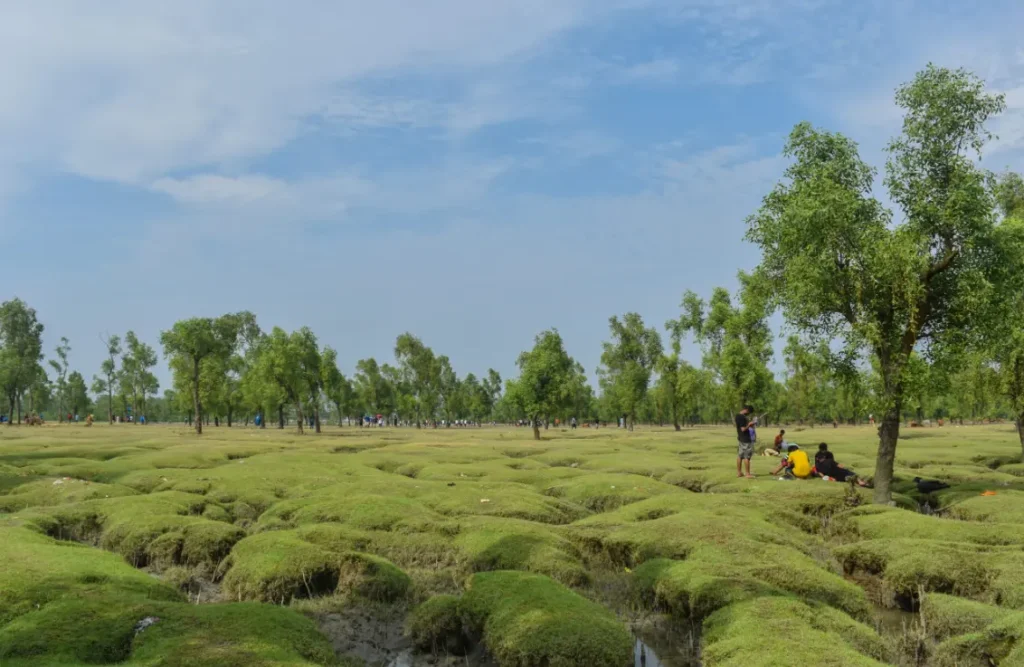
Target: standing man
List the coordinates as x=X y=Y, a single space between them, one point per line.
x=745 y=451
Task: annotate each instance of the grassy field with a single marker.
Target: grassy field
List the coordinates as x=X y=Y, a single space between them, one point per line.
x=260 y=547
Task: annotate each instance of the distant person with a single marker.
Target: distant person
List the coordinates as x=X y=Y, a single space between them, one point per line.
x=572 y=423
x=745 y=448
x=779 y=439
x=796 y=463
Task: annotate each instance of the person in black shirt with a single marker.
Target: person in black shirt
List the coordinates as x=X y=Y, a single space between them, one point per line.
x=825 y=466
x=745 y=450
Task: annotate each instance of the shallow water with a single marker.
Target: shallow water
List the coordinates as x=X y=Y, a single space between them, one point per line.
x=893 y=620
x=665 y=645
x=644 y=656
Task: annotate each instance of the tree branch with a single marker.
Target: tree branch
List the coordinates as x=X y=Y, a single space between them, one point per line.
x=942 y=265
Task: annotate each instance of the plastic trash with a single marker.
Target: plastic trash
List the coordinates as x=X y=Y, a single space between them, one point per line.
x=145 y=623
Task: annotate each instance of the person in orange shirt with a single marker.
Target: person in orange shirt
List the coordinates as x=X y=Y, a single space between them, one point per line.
x=779 y=440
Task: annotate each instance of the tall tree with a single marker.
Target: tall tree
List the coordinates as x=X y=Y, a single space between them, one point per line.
x=422 y=371
x=190 y=342
x=448 y=389
x=841 y=267
x=137 y=378
x=78 y=394
x=60 y=366
x=21 y=350
x=311 y=370
x=337 y=388
x=628 y=361
x=807 y=379
x=1007 y=346
x=492 y=385
x=107 y=383
x=281 y=365
x=670 y=375
x=548 y=378
x=736 y=341
x=371 y=386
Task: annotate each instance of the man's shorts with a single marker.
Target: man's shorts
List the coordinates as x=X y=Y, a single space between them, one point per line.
x=746 y=450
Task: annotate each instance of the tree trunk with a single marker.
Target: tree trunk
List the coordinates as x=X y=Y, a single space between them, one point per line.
x=536 y=429
x=298 y=416
x=316 y=418
x=1020 y=434
x=19 y=408
x=280 y=417
x=216 y=421
x=110 y=399
x=229 y=416
x=888 y=435
x=10 y=415
x=198 y=410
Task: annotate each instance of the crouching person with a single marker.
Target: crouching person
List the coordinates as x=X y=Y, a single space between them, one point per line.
x=795 y=463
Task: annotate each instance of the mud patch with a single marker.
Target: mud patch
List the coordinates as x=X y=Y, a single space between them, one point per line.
x=376 y=635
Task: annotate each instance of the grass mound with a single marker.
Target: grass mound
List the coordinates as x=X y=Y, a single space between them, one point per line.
x=888 y=523
x=513 y=544
x=528 y=620
x=605 y=492
x=713 y=577
x=1000 y=643
x=62 y=603
x=60 y=491
x=280 y=566
x=947 y=616
x=161 y=528
x=783 y=631
x=988 y=574
x=38 y=570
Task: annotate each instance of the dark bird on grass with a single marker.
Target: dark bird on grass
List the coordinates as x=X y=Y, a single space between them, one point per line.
x=929 y=485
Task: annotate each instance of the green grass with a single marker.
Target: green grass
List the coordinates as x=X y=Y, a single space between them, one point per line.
x=782 y=631
x=499 y=537
x=528 y=620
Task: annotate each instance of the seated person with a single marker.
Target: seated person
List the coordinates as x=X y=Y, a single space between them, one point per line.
x=825 y=466
x=796 y=463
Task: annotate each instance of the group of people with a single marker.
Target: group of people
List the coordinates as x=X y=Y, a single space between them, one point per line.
x=795 y=463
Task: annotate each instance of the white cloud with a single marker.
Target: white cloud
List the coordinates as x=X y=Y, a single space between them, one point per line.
x=257 y=196
x=132 y=91
x=662 y=70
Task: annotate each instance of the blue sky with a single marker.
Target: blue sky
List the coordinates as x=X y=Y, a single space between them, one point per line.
x=472 y=172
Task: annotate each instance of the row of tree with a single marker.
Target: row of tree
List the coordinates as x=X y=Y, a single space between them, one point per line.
x=243 y=372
